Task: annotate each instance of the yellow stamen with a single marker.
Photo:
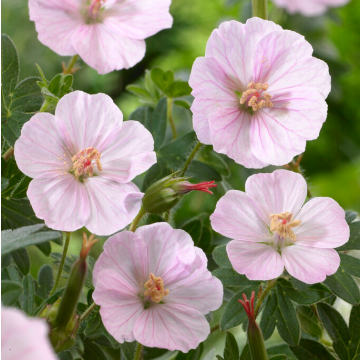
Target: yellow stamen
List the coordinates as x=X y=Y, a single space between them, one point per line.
x=283 y=224
x=83 y=162
x=256 y=96
x=154 y=288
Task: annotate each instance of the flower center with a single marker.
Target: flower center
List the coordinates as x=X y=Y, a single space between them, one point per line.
x=96 y=6
x=154 y=288
x=256 y=96
x=83 y=162
x=283 y=224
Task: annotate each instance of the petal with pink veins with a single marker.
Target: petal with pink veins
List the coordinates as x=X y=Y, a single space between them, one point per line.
x=130 y=154
x=236 y=218
x=230 y=135
x=171 y=326
x=40 y=150
x=105 y=50
x=256 y=261
x=61 y=201
x=322 y=225
x=310 y=265
x=275 y=193
x=120 y=305
x=112 y=205
x=126 y=254
x=88 y=121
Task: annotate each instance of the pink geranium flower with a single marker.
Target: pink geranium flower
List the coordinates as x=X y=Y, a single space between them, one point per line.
x=272 y=229
x=23 y=337
x=82 y=161
x=259 y=93
x=107 y=34
x=309 y=7
x=153 y=286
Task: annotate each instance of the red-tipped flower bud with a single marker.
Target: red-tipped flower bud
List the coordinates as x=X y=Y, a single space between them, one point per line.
x=255 y=337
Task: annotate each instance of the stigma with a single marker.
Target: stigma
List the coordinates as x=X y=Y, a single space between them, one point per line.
x=96 y=6
x=154 y=288
x=83 y=162
x=283 y=223
x=256 y=96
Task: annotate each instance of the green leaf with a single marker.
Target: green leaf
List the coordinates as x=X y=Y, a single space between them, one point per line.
x=20 y=238
x=45 y=248
x=215 y=160
x=344 y=286
x=94 y=327
x=144 y=115
x=93 y=351
x=354 y=327
x=155 y=173
x=179 y=88
x=158 y=124
x=10 y=292
x=311 y=350
x=299 y=285
x=336 y=328
x=350 y=216
x=50 y=300
x=22 y=260
x=55 y=84
x=27 y=299
x=13 y=274
x=281 y=349
x=201 y=171
x=231 y=350
x=309 y=296
x=45 y=281
x=10 y=65
x=309 y=322
x=176 y=151
x=205 y=239
x=230 y=278
x=287 y=322
x=162 y=79
x=278 y=357
x=354 y=240
x=193 y=354
x=182 y=103
x=140 y=92
x=128 y=350
x=194 y=228
x=221 y=257
x=4 y=184
x=268 y=316
x=350 y=264
x=245 y=354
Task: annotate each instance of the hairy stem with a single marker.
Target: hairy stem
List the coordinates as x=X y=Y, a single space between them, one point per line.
x=259 y=9
x=170 y=118
x=62 y=262
x=137 y=219
x=8 y=154
x=87 y=312
x=138 y=351
x=70 y=69
x=269 y=286
x=190 y=159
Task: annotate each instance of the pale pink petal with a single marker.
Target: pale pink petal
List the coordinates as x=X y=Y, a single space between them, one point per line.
x=203 y=292
x=256 y=261
x=88 y=121
x=171 y=251
x=139 y=19
x=230 y=135
x=276 y=193
x=236 y=218
x=105 y=50
x=322 y=225
x=173 y=327
x=233 y=46
x=130 y=154
x=23 y=337
x=120 y=305
x=112 y=205
x=308 y=264
x=56 y=23
x=40 y=149
x=126 y=254
x=60 y=200
x=200 y=109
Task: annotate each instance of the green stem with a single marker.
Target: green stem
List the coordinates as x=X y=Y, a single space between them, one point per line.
x=87 y=312
x=8 y=154
x=62 y=262
x=170 y=118
x=137 y=219
x=190 y=159
x=138 y=351
x=269 y=286
x=72 y=63
x=259 y=9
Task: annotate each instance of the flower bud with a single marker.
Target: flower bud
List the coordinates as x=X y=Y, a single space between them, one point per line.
x=254 y=334
x=164 y=194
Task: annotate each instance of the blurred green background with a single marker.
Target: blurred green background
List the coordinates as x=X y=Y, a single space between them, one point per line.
x=331 y=163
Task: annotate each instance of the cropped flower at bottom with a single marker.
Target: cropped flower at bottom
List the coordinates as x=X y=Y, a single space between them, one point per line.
x=153 y=286
x=272 y=230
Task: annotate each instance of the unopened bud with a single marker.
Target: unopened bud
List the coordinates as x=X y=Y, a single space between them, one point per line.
x=167 y=192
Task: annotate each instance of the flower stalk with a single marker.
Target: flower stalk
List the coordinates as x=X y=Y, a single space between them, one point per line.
x=138 y=351
x=259 y=9
x=269 y=286
x=170 y=118
x=8 y=154
x=70 y=69
x=137 y=219
x=190 y=158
